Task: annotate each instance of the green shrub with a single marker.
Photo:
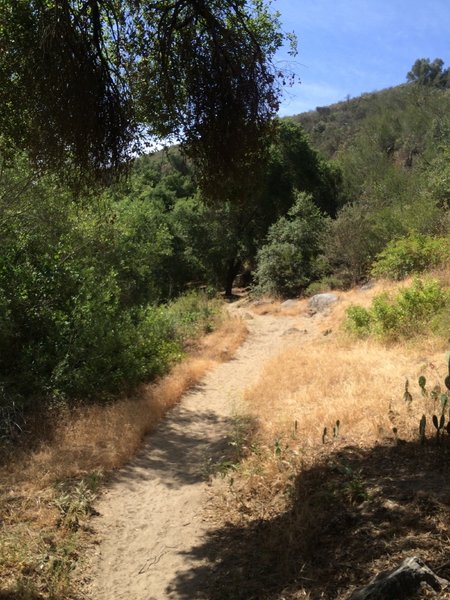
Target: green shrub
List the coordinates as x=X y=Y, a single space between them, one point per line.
x=406 y=314
x=291 y=258
x=413 y=254
x=329 y=282
x=194 y=313
x=358 y=320
x=78 y=319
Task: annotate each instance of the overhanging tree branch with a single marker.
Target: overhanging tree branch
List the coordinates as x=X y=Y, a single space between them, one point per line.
x=83 y=83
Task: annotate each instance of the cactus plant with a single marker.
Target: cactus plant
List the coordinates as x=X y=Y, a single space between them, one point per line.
x=324 y=435
x=422 y=384
x=447 y=379
x=439 y=425
x=435 y=392
x=422 y=429
x=336 y=429
x=407 y=396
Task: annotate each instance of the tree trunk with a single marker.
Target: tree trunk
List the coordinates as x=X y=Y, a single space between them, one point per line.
x=232 y=270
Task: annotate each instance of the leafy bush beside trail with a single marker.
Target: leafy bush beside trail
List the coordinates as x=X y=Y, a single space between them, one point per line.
x=412 y=311
x=79 y=287
x=412 y=254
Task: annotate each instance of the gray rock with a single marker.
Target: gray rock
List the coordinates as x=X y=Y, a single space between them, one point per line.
x=294 y=330
x=400 y=583
x=260 y=303
x=321 y=301
x=289 y=304
x=368 y=286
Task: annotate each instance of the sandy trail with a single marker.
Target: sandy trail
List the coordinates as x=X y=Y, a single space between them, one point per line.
x=151 y=517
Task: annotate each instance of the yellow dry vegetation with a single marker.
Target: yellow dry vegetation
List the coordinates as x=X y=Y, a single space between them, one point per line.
x=321 y=380
x=360 y=384
x=330 y=511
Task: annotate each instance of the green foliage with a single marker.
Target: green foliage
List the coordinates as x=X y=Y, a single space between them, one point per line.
x=353 y=486
x=425 y=72
x=391 y=147
x=290 y=259
x=194 y=313
x=407 y=314
x=324 y=284
x=86 y=84
x=79 y=287
x=219 y=240
x=74 y=499
x=412 y=254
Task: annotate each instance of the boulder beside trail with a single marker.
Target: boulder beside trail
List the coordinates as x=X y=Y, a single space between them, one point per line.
x=321 y=301
x=291 y=303
x=400 y=583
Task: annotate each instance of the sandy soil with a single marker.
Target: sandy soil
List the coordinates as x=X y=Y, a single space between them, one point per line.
x=152 y=514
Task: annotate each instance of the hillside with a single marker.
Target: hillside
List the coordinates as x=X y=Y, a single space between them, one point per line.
x=404 y=114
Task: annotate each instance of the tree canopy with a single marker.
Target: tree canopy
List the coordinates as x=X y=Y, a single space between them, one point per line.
x=427 y=72
x=87 y=84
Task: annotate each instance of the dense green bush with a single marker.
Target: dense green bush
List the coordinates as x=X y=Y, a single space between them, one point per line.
x=412 y=254
x=291 y=258
x=79 y=283
x=194 y=314
x=412 y=311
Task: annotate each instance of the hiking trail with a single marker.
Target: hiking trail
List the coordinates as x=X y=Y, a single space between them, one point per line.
x=152 y=514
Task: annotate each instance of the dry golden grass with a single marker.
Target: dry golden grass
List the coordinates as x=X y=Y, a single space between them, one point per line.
x=324 y=517
x=361 y=384
x=106 y=436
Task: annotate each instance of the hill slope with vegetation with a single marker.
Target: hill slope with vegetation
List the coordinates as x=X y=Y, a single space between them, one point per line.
x=392 y=148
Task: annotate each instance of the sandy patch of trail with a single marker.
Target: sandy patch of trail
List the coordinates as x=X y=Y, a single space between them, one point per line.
x=151 y=517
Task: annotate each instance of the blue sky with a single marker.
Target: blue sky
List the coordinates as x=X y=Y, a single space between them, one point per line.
x=347 y=47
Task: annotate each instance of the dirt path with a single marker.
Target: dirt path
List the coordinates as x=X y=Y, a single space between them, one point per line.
x=152 y=514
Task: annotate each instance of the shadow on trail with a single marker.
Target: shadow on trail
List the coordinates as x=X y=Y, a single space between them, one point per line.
x=181 y=451
x=12 y=595
x=355 y=513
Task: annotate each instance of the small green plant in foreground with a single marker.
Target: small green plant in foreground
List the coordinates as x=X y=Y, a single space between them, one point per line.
x=75 y=500
x=354 y=488
x=439 y=421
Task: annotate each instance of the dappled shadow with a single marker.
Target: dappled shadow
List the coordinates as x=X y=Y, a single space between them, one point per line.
x=12 y=595
x=180 y=452
x=354 y=513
